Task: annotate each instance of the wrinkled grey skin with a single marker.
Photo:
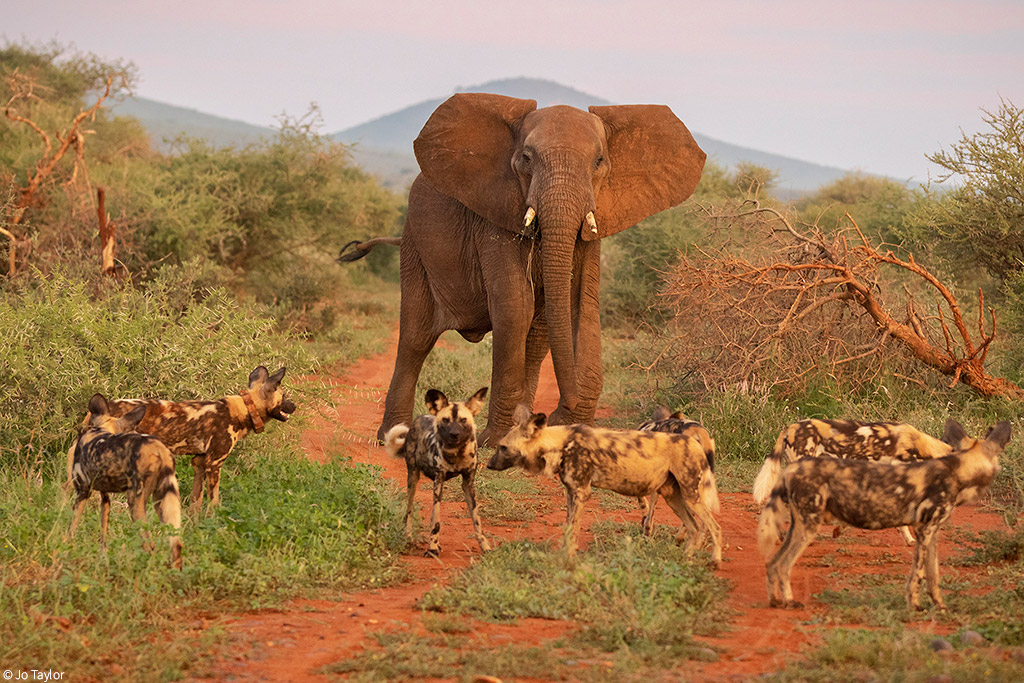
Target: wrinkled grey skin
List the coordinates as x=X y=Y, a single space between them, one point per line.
x=470 y=264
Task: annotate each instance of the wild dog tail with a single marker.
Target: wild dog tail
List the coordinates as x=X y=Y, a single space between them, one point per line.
x=709 y=449
x=71 y=463
x=361 y=249
x=768 y=525
x=167 y=500
x=768 y=477
x=394 y=440
x=709 y=492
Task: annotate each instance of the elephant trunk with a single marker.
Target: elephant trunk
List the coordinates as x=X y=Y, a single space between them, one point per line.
x=560 y=212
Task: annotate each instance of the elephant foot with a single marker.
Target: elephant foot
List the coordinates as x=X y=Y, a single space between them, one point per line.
x=561 y=416
x=491 y=436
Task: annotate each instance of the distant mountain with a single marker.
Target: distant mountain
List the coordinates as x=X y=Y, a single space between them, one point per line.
x=383 y=146
x=165 y=122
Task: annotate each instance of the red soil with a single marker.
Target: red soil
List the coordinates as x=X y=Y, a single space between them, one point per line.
x=295 y=642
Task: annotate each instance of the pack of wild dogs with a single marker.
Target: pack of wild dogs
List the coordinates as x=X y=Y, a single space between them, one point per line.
x=869 y=475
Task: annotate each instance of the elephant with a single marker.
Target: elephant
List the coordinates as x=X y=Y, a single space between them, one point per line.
x=503 y=234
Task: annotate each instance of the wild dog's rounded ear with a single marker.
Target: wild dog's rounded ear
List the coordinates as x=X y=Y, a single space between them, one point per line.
x=130 y=420
x=274 y=380
x=999 y=435
x=436 y=401
x=536 y=423
x=660 y=413
x=258 y=375
x=98 y=405
x=521 y=414
x=954 y=433
x=476 y=401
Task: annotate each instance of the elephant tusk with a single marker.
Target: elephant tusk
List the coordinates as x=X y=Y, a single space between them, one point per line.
x=528 y=218
x=592 y=222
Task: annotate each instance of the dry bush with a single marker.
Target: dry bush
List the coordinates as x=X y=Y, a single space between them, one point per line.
x=783 y=303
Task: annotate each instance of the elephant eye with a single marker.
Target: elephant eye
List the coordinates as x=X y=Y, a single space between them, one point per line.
x=599 y=161
x=526 y=157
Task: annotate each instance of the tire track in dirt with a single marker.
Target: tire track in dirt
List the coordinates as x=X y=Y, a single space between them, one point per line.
x=293 y=643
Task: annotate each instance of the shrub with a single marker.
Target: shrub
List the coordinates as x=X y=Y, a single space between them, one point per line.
x=175 y=339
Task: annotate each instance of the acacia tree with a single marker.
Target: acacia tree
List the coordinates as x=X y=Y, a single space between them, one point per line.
x=28 y=92
x=813 y=300
x=981 y=219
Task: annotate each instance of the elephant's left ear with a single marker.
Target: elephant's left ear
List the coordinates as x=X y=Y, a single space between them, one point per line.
x=654 y=164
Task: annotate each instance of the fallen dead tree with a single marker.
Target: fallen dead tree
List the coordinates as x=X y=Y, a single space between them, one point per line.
x=804 y=300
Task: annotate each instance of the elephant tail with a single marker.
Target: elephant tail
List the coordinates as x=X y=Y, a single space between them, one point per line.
x=361 y=249
x=394 y=441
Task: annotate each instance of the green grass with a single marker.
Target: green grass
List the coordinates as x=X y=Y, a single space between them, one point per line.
x=638 y=603
x=625 y=589
x=895 y=655
x=286 y=527
x=989 y=602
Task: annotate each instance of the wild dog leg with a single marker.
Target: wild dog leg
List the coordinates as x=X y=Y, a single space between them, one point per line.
x=104 y=515
x=575 y=500
x=412 y=479
x=198 y=479
x=79 y=506
x=469 y=493
x=647 y=504
x=780 y=567
x=434 y=549
x=932 y=568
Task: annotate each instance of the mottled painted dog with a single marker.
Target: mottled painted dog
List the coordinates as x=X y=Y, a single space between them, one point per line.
x=674 y=423
x=885 y=442
x=110 y=458
x=440 y=445
x=208 y=430
x=633 y=463
x=871 y=495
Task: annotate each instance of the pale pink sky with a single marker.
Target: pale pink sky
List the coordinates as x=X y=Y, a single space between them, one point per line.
x=870 y=84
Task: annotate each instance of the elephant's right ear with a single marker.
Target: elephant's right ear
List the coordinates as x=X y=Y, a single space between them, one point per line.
x=465 y=151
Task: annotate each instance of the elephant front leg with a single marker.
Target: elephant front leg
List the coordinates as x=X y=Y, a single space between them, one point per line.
x=417 y=334
x=508 y=373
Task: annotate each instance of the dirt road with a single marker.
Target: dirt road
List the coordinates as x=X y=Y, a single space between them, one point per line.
x=294 y=643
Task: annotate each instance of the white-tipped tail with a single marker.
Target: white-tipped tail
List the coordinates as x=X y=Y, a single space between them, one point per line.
x=766 y=479
x=709 y=492
x=768 y=526
x=395 y=439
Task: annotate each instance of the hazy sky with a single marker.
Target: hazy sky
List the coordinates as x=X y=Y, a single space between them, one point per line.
x=872 y=85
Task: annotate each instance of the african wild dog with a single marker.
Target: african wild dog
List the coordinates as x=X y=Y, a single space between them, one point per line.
x=110 y=458
x=871 y=495
x=674 y=423
x=633 y=463
x=208 y=430
x=880 y=441
x=440 y=445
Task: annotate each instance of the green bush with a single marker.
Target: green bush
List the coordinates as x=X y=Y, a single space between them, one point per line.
x=60 y=343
